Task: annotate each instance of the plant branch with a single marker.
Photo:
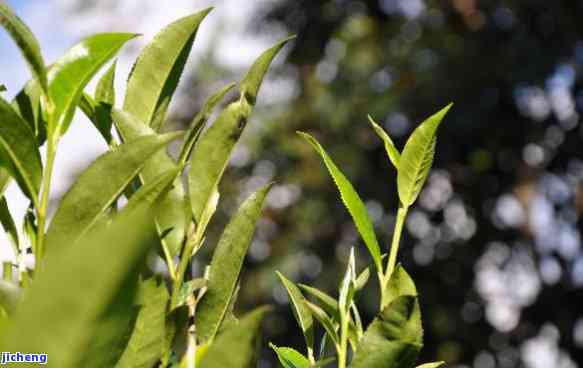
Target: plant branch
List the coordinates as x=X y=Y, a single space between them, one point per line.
x=44 y=200
x=401 y=215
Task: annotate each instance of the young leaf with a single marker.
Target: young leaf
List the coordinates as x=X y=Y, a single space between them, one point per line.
x=329 y=304
x=400 y=284
x=98 y=186
x=71 y=73
x=301 y=312
x=394 y=338
x=171 y=218
x=290 y=358
x=392 y=151
x=346 y=292
x=417 y=158
x=188 y=288
x=148 y=336
x=26 y=42
x=324 y=320
x=199 y=121
x=254 y=78
x=235 y=347
x=76 y=287
x=157 y=71
x=211 y=154
x=19 y=147
x=352 y=201
x=432 y=365
x=105 y=90
x=226 y=265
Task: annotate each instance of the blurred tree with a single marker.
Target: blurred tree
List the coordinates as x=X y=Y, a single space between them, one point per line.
x=495 y=240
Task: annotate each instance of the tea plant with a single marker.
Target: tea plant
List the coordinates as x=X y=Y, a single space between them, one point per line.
x=90 y=300
x=394 y=338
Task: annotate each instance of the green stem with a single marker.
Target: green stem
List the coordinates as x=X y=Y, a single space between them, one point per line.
x=192 y=242
x=343 y=347
x=401 y=215
x=44 y=201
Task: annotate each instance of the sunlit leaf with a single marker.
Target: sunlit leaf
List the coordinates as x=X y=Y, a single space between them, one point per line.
x=19 y=149
x=226 y=265
x=400 y=284
x=392 y=151
x=352 y=201
x=98 y=186
x=417 y=158
x=235 y=348
x=25 y=41
x=290 y=358
x=157 y=71
x=302 y=314
x=71 y=73
x=432 y=365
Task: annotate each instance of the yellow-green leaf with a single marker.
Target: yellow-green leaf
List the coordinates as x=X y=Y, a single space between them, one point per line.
x=290 y=358
x=71 y=73
x=352 y=201
x=417 y=158
x=392 y=151
x=432 y=365
x=301 y=312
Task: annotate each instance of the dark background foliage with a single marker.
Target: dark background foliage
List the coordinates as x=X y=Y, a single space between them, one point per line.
x=494 y=242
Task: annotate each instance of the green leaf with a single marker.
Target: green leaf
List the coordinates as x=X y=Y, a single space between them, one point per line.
x=432 y=365
x=2 y=88
x=325 y=320
x=211 y=154
x=171 y=218
x=392 y=151
x=25 y=41
x=98 y=187
x=188 y=288
x=157 y=71
x=417 y=158
x=254 y=78
x=352 y=201
x=346 y=290
x=400 y=284
x=235 y=348
x=10 y=295
x=302 y=314
x=71 y=73
x=19 y=148
x=393 y=339
x=226 y=265
x=152 y=191
x=290 y=358
x=77 y=287
x=329 y=304
x=8 y=225
x=200 y=120
x=104 y=102
x=148 y=337
x=27 y=104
